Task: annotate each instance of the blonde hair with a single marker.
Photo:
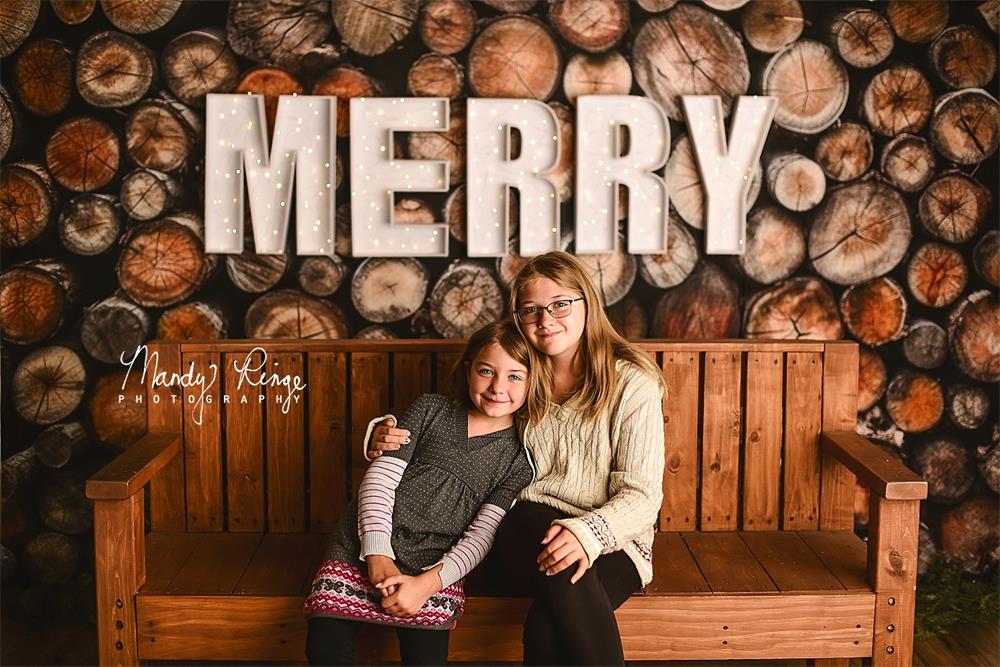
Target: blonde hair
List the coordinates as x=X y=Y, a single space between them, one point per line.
x=505 y=334
x=600 y=346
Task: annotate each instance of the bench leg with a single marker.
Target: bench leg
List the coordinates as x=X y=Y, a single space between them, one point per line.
x=120 y=569
x=892 y=570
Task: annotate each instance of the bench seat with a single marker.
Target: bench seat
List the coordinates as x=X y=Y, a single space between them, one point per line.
x=717 y=595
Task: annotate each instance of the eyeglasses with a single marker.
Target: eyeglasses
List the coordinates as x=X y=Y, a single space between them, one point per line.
x=557 y=309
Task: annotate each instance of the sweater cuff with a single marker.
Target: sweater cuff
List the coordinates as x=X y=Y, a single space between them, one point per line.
x=376 y=544
x=591 y=545
x=368 y=434
x=449 y=572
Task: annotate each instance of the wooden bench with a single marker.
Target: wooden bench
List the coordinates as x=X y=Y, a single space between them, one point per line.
x=756 y=558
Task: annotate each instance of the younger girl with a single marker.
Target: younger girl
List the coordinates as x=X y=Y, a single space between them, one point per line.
x=426 y=513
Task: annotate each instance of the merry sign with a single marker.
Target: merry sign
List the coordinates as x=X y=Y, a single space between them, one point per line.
x=302 y=158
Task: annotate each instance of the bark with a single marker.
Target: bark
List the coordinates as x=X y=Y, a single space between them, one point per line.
x=613 y=273
x=63 y=505
x=862 y=37
x=436 y=75
x=845 y=152
x=795 y=181
x=872 y=378
x=269 y=31
x=937 y=274
x=974 y=333
x=195 y=320
x=771 y=25
x=288 y=313
x=897 y=99
x=140 y=16
x=860 y=232
x=389 y=289
x=114 y=70
x=954 y=206
x=18 y=472
x=775 y=245
x=371 y=27
x=73 y=12
x=375 y=332
x=689 y=51
x=161 y=134
x=255 y=273
x=798 y=309
x=948 y=469
x=917 y=21
x=48 y=384
x=34 y=299
x=671 y=268
x=592 y=26
x=969 y=534
x=926 y=344
x=43 y=77
x=966 y=126
x=447 y=26
x=986 y=257
x=810 y=84
x=164 y=262
x=454 y=213
x=90 y=224
x=321 y=276
x=18 y=18
x=908 y=162
x=963 y=57
x=58 y=444
x=968 y=406
x=875 y=311
x=914 y=401
x=147 y=194
x=706 y=305
x=465 y=299
x=628 y=317
x=514 y=56
x=114 y=327
x=83 y=154
x=27 y=202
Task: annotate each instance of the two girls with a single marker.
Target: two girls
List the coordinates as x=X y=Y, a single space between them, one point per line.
x=579 y=541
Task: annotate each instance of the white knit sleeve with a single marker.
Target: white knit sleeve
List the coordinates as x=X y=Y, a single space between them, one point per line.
x=635 y=483
x=376 y=501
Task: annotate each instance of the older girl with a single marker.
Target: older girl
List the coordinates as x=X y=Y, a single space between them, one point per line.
x=580 y=538
x=427 y=512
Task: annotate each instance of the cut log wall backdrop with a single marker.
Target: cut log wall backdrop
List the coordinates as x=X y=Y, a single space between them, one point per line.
x=873 y=212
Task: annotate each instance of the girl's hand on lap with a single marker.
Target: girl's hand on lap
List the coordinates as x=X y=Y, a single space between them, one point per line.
x=381 y=568
x=561 y=551
x=410 y=592
x=385 y=437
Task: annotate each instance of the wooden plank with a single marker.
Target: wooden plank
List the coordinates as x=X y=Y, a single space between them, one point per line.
x=894 y=625
x=720 y=441
x=727 y=563
x=326 y=401
x=840 y=405
x=803 y=401
x=763 y=627
x=281 y=564
x=203 y=444
x=199 y=628
x=455 y=345
x=682 y=379
x=130 y=470
x=893 y=531
x=164 y=412
x=120 y=570
x=843 y=553
x=444 y=363
x=286 y=448
x=216 y=564
x=411 y=377
x=789 y=562
x=678 y=627
x=369 y=398
x=878 y=471
x=674 y=568
x=762 y=442
x=166 y=554
x=244 y=443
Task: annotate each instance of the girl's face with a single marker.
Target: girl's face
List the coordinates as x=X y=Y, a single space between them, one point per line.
x=498 y=384
x=554 y=337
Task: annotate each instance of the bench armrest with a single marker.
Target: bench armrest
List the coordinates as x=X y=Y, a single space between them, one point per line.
x=878 y=471
x=133 y=468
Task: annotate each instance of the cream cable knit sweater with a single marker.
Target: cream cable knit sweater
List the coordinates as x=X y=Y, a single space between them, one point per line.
x=606 y=473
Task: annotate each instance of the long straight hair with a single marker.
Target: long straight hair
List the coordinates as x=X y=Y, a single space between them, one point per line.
x=600 y=346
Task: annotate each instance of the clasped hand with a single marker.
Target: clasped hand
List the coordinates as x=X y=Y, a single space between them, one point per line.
x=562 y=550
x=402 y=595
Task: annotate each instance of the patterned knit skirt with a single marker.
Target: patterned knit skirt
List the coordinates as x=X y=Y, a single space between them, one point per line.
x=342 y=590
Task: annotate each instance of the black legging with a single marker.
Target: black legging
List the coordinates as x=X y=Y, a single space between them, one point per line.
x=567 y=623
x=330 y=641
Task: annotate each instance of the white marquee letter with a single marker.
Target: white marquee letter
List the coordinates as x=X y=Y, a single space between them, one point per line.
x=726 y=170
x=600 y=168
x=303 y=151
x=375 y=175
x=491 y=174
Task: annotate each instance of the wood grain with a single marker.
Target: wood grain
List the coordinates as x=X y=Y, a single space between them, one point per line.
x=286 y=466
x=840 y=404
x=803 y=396
x=326 y=398
x=164 y=412
x=682 y=378
x=244 y=447
x=203 y=445
x=762 y=442
x=720 y=446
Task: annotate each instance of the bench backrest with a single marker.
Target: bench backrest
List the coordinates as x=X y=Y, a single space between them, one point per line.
x=741 y=420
